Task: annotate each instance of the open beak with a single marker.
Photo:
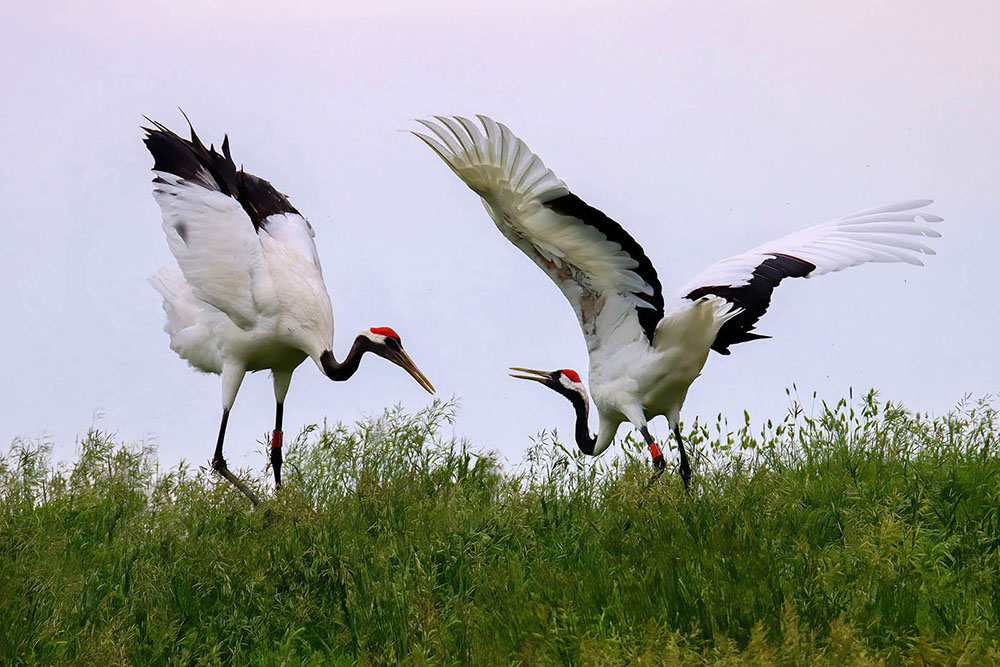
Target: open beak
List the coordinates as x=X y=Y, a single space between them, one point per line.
x=402 y=359
x=538 y=376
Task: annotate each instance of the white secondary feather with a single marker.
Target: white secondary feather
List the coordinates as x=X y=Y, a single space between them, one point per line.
x=295 y=233
x=889 y=233
x=234 y=290
x=216 y=247
x=594 y=272
x=301 y=302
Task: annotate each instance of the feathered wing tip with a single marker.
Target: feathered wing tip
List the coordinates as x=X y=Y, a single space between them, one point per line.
x=889 y=233
x=491 y=159
x=896 y=207
x=883 y=234
x=536 y=211
x=190 y=160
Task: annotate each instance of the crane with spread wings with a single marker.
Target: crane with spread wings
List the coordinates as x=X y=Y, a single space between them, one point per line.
x=646 y=351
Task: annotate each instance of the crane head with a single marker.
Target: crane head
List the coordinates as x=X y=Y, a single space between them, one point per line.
x=565 y=381
x=386 y=343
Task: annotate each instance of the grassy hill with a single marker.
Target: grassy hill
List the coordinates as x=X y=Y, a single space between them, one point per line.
x=860 y=534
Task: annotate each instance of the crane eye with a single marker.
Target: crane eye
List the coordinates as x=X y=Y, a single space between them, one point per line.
x=393 y=343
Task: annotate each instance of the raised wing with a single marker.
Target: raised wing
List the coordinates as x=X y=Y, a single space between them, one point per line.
x=891 y=233
x=603 y=272
x=212 y=214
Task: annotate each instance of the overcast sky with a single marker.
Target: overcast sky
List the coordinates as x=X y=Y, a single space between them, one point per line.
x=704 y=128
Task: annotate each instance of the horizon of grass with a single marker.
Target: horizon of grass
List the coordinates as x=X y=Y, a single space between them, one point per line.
x=859 y=534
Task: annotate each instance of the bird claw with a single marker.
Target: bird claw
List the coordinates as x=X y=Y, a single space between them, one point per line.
x=219 y=465
x=686 y=474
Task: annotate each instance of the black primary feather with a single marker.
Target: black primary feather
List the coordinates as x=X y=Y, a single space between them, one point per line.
x=573 y=206
x=754 y=298
x=192 y=161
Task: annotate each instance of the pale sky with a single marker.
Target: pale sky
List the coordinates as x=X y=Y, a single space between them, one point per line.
x=703 y=128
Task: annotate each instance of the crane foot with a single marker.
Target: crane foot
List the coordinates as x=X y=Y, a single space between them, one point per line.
x=686 y=474
x=219 y=465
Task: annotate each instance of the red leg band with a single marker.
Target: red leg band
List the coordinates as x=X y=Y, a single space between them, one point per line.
x=276 y=439
x=654 y=449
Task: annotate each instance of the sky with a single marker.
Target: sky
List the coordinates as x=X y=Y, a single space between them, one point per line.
x=704 y=128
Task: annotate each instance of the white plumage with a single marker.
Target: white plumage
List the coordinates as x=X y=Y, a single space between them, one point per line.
x=191 y=323
x=246 y=292
x=644 y=354
x=248 y=298
x=884 y=234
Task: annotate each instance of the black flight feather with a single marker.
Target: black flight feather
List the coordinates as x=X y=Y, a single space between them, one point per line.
x=754 y=298
x=573 y=206
x=191 y=161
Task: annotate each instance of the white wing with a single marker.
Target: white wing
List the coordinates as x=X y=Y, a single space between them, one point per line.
x=599 y=267
x=212 y=217
x=295 y=233
x=215 y=245
x=891 y=233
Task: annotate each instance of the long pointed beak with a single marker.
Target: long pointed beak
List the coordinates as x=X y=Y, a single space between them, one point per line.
x=402 y=359
x=537 y=376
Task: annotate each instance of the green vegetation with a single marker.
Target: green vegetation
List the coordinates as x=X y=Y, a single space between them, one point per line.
x=861 y=534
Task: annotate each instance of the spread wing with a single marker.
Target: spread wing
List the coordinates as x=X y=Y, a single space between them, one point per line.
x=597 y=265
x=892 y=233
x=212 y=215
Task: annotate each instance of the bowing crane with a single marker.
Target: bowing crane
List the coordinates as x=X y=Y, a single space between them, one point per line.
x=246 y=292
x=644 y=351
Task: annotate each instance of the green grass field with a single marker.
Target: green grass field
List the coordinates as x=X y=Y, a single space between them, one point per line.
x=856 y=533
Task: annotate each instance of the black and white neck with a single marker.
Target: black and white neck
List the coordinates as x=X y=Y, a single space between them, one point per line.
x=381 y=341
x=581 y=405
x=339 y=371
x=566 y=382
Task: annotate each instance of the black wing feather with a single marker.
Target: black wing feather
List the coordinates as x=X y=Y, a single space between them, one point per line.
x=571 y=205
x=192 y=161
x=754 y=298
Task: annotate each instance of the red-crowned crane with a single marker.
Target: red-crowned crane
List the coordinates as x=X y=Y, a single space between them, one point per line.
x=246 y=292
x=645 y=353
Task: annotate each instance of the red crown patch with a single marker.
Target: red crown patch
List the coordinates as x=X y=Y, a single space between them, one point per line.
x=571 y=374
x=384 y=331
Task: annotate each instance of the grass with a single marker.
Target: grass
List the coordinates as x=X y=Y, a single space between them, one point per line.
x=862 y=534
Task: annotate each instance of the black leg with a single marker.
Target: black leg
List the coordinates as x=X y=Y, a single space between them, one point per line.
x=685 y=465
x=217 y=459
x=219 y=463
x=276 y=445
x=659 y=463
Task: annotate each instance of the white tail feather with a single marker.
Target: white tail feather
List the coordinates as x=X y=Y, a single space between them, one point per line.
x=190 y=321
